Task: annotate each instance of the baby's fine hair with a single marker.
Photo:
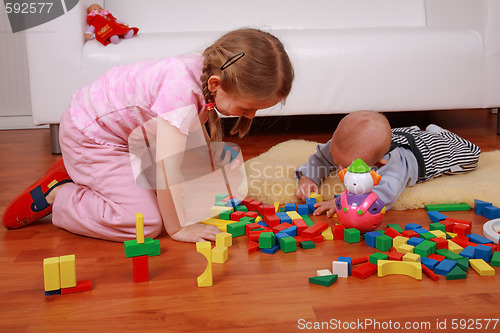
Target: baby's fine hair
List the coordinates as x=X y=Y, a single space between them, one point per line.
x=265 y=71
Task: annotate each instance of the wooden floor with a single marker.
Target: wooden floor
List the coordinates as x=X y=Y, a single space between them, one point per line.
x=251 y=293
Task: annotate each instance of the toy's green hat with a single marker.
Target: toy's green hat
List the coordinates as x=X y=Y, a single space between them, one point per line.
x=358 y=166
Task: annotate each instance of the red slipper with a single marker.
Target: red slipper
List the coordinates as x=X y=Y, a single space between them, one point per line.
x=31 y=205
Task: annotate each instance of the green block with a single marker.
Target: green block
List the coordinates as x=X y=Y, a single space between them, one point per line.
x=463 y=263
x=396 y=227
x=307 y=220
x=374 y=258
x=237 y=228
x=456 y=274
x=220 y=197
x=150 y=247
x=495 y=260
x=425 y=249
x=447 y=207
x=225 y=215
x=326 y=280
x=352 y=235
x=247 y=220
x=448 y=254
x=427 y=235
x=282 y=209
x=241 y=208
x=437 y=226
x=383 y=243
x=288 y=244
x=221 y=204
x=267 y=240
x=307 y=245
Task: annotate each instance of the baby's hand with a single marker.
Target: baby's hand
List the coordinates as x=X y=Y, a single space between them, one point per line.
x=305 y=187
x=196 y=233
x=328 y=206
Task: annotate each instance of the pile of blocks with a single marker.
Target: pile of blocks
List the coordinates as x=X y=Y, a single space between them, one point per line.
x=219 y=255
x=59 y=275
x=270 y=228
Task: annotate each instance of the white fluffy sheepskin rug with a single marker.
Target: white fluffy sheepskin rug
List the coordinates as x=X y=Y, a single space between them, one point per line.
x=271 y=179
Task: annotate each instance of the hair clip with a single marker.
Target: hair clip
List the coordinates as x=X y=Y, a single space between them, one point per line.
x=210 y=106
x=232 y=60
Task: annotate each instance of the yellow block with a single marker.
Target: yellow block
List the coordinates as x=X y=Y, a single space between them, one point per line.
x=317 y=196
x=205 y=279
x=258 y=219
x=481 y=267
x=216 y=210
x=327 y=234
x=399 y=240
x=139 y=228
x=412 y=257
x=276 y=207
x=220 y=254
x=438 y=233
x=404 y=248
x=452 y=235
x=454 y=247
x=294 y=215
x=51 y=274
x=388 y=267
x=221 y=224
x=223 y=239
x=68 y=271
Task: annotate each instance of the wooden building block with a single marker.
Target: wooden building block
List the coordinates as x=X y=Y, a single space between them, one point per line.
x=51 y=274
x=412 y=257
x=140 y=267
x=205 y=279
x=364 y=270
x=223 y=239
x=327 y=233
x=323 y=272
x=139 y=228
x=68 y=271
x=316 y=196
x=341 y=268
x=220 y=254
x=481 y=267
x=325 y=281
x=388 y=267
x=84 y=285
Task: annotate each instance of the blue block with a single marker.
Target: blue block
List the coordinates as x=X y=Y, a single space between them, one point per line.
x=479 y=205
x=483 y=252
x=279 y=236
x=414 y=241
x=412 y=226
x=303 y=209
x=475 y=238
x=370 y=238
x=436 y=216
x=445 y=266
x=348 y=260
x=491 y=212
x=310 y=202
x=420 y=230
x=262 y=223
x=53 y=292
x=429 y=263
x=292 y=231
x=284 y=218
x=272 y=250
x=468 y=252
x=231 y=151
x=233 y=203
x=289 y=207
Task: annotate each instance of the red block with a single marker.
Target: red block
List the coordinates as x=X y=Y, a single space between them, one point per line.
x=394 y=255
x=141 y=268
x=410 y=234
x=391 y=232
x=338 y=231
x=457 y=221
x=266 y=209
x=236 y=216
x=359 y=260
x=463 y=241
x=84 y=285
x=254 y=205
x=436 y=257
x=252 y=214
x=441 y=243
x=245 y=202
x=365 y=270
x=462 y=229
x=272 y=220
x=301 y=225
x=253 y=247
x=281 y=227
x=449 y=224
x=251 y=226
x=315 y=229
x=254 y=235
x=430 y=273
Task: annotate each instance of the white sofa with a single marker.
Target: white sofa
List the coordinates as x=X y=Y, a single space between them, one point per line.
x=383 y=55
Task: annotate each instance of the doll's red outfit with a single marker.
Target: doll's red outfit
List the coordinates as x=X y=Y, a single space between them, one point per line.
x=106 y=25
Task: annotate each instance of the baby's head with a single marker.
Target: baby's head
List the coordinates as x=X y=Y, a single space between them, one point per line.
x=93 y=7
x=245 y=70
x=362 y=134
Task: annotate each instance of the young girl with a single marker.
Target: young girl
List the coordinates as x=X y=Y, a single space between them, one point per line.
x=242 y=72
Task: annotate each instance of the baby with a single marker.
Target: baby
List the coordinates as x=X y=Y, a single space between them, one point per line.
x=404 y=156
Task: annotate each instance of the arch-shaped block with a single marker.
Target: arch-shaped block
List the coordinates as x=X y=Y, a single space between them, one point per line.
x=205 y=279
x=388 y=267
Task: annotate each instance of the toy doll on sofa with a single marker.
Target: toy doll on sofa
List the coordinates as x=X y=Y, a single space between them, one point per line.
x=106 y=27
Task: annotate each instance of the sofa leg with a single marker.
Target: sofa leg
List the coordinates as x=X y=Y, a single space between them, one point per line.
x=54 y=139
x=498 y=122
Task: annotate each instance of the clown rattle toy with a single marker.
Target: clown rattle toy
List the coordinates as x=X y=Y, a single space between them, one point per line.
x=358 y=206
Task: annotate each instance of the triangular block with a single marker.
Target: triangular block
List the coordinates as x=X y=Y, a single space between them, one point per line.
x=326 y=280
x=456 y=274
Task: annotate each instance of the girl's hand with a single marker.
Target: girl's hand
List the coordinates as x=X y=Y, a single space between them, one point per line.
x=328 y=206
x=305 y=187
x=196 y=233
